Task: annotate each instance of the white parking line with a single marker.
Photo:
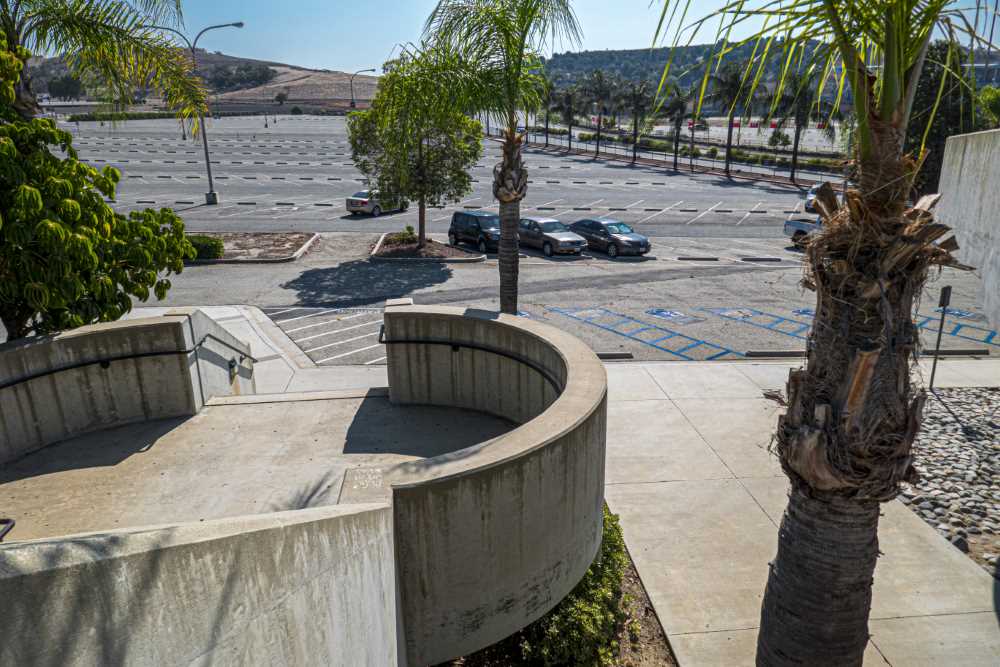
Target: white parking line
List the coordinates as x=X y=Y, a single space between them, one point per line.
x=747 y=214
x=545 y=204
x=341 y=342
x=286 y=310
x=374 y=361
x=346 y=354
x=302 y=317
x=337 y=331
x=648 y=217
x=635 y=203
x=703 y=213
x=571 y=209
x=319 y=324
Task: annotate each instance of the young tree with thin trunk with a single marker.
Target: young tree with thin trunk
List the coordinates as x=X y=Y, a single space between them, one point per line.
x=678 y=108
x=599 y=90
x=414 y=142
x=548 y=98
x=503 y=40
x=728 y=90
x=797 y=102
x=845 y=440
x=638 y=100
x=567 y=105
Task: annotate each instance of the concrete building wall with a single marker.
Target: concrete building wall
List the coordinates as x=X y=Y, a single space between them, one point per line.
x=105 y=375
x=308 y=587
x=490 y=538
x=970 y=204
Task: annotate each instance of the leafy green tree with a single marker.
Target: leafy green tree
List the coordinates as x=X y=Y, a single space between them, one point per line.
x=414 y=142
x=989 y=98
x=281 y=98
x=66 y=258
x=567 y=105
x=955 y=111
x=503 y=41
x=112 y=41
x=65 y=87
x=599 y=90
x=845 y=441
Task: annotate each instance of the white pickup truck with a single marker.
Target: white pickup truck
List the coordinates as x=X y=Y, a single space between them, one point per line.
x=799 y=229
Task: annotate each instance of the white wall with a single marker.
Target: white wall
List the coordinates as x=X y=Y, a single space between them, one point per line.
x=970 y=204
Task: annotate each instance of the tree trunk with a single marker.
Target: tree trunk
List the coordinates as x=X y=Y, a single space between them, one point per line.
x=422 y=222
x=570 y=136
x=510 y=183
x=846 y=439
x=818 y=596
x=729 y=143
x=600 y=121
x=546 y=128
x=677 y=142
x=795 y=150
x=635 y=137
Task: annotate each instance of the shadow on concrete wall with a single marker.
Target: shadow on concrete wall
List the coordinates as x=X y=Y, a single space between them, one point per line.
x=361 y=282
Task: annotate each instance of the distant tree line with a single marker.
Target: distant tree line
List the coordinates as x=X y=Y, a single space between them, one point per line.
x=238 y=77
x=66 y=87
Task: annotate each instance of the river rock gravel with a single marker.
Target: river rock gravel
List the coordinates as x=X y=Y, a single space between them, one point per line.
x=958 y=457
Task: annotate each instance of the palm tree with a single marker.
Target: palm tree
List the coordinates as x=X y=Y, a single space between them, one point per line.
x=567 y=104
x=728 y=90
x=113 y=41
x=678 y=108
x=637 y=100
x=547 y=92
x=503 y=39
x=598 y=88
x=798 y=103
x=845 y=440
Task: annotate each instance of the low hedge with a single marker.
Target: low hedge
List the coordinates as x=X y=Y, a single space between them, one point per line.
x=583 y=628
x=207 y=247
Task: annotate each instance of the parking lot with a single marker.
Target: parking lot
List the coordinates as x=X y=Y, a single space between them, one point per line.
x=721 y=280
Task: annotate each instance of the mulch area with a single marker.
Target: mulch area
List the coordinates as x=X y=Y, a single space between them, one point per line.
x=410 y=250
x=642 y=642
x=260 y=245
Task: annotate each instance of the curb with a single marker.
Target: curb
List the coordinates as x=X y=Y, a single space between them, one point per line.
x=263 y=260
x=438 y=260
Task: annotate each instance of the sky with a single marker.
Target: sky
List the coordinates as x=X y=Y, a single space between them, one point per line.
x=358 y=34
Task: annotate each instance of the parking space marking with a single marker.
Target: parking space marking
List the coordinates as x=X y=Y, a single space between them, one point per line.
x=340 y=342
x=748 y=213
x=704 y=213
x=635 y=203
x=347 y=354
x=319 y=324
x=302 y=317
x=336 y=331
x=374 y=361
x=650 y=217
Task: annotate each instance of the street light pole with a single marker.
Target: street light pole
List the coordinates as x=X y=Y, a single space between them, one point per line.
x=211 y=197
x=354 y=104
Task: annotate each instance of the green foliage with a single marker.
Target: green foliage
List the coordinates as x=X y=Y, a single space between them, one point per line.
x=118 y=116
x=207 y=247
x=281 y=98
x=240 y=76
x=989 y=98
x=406 y=237
x=779 y=138
x=66 y=257
x=712 y=152
x=582 y=630
x=296 y=111
x=65 y=87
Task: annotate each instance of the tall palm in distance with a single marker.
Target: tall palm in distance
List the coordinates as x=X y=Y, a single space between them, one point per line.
x=637 y=99
x=599 y=90
x=798 y=102
x=503 y=40
x=547 y=95
x=568 y=103
x=678 y=107
x=112 y=41
x=729 y=91
x=845 y=440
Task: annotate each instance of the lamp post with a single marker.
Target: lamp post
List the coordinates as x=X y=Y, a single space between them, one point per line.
x=354 y=104
x=211 y=197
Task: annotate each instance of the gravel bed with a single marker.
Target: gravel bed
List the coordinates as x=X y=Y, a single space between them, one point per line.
x=958 y=457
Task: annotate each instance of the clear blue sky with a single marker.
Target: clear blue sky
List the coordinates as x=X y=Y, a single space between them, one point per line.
x=355 y=34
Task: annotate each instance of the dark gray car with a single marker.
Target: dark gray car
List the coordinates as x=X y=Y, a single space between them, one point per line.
x=611 y=236
x=550 y=236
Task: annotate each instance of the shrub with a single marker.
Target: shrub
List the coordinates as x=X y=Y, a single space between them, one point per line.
x=580 y=630
x=587 y=136
x=207 y=247
x=405 y=237
x=296 y=111
x=712 y=152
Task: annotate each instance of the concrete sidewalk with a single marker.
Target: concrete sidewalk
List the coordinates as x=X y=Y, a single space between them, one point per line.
x=700 y=500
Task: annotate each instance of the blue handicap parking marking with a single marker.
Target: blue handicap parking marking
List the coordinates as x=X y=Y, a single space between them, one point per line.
x=661 y=338
x=674 y=316
x=807 y=312
x=762 y=320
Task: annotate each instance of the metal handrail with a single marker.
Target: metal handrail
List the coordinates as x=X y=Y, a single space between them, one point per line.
x=104 y=363
x=455 y=346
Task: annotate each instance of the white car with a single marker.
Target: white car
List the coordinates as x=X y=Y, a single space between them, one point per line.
x=369 y=202
x=799 y=230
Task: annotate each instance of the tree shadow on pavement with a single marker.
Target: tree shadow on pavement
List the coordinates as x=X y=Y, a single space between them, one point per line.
x=362 y=282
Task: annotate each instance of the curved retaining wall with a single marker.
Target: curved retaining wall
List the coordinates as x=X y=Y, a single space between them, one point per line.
x=307 y=587
x=96 y=377
x=489 y=538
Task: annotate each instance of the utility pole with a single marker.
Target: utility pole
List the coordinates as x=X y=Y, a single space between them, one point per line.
x=354 y=104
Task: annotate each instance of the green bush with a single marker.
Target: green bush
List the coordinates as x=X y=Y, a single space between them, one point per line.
x=296 y=111
x=207 y=247
x=581 y=630
x=587 y=136
x=405 y=237
x=712 y=152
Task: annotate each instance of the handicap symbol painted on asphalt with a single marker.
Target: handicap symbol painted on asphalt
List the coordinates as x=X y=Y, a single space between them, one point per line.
x=674 y=316
x=808 y=312
x=962 y=314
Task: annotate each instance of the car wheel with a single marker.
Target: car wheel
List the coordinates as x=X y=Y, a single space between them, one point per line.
x=547 y=249
x=376 y=212
x=452 y=239
x=612 y=250
x=482 y=246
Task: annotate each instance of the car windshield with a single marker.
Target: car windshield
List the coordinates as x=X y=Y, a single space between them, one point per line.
x=552 y=226
x=618 y=228
x=490 y=224
x=361 y=195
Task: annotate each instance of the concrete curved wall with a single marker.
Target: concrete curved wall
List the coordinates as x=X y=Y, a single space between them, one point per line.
x=306 y=587
x=491 y=537
x=105 y=375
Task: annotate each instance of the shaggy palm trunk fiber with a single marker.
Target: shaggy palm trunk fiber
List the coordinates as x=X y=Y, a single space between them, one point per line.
x=510 y=183
x=845 y=440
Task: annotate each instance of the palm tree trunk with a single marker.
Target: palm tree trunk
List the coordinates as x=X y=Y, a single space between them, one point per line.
x=677 y=142
x=510 y=184
x=570 y=136
x=815 y=609
x=795 y=150
x=422 y=221
x=546 y=128
x=600 y=121
x=635 y=136
x=729 y=143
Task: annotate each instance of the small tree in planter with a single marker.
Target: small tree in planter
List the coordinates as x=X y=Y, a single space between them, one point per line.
x=66 y=258
x=415 y=142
